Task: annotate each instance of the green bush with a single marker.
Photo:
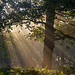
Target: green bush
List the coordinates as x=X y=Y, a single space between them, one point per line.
x=36 y=71
x=67 y=70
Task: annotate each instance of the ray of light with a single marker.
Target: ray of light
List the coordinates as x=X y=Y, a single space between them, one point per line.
x=25 y=52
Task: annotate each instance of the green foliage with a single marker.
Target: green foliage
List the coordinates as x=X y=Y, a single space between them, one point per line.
x=37 y=34
x=3 y=54
x=32 y=10
x=67 y=70
x=37 y=71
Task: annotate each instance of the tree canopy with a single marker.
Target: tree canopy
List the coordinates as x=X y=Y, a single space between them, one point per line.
x=33 y=10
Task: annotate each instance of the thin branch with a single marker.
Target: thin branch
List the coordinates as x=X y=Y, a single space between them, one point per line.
x=65 y=21
x=35 y=21
x=63 y=37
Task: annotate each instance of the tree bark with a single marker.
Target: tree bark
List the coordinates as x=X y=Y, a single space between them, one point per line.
x=49 y=39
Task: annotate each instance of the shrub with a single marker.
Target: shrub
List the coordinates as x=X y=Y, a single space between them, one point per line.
x=62 y=70
x=67 y=70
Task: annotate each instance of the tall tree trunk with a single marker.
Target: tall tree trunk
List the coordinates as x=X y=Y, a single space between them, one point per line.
x=49 y=39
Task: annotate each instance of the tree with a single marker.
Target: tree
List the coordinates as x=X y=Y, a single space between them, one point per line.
x=52 y=6
x=34 y=11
